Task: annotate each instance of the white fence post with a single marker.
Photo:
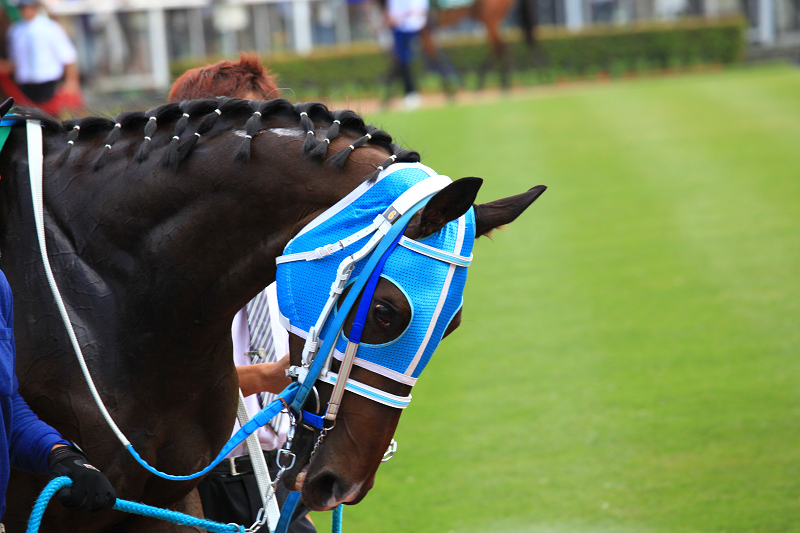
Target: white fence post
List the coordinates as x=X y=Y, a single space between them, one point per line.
x=197 y=32
x=573 y=12
x=766 y=22
x=301 y=26
x=159 y=51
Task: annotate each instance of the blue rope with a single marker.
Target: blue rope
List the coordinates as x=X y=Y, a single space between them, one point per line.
x=336 y=522
x=126 y=506
x=261 y=418
x=129 y=507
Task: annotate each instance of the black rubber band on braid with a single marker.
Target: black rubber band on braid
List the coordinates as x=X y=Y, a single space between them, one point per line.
x=111 y=138
x=171 y=156
x=251 y=128
x=72 y=136
x=144 y=150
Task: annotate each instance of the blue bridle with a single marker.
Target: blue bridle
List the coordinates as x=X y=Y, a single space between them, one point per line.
x=430 y=272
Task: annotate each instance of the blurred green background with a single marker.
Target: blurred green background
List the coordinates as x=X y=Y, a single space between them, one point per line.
x=628 y=358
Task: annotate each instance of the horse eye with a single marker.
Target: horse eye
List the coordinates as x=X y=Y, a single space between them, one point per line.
x=383 y=315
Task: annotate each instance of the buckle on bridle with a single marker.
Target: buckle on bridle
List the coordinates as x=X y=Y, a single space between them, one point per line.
x=390 y=451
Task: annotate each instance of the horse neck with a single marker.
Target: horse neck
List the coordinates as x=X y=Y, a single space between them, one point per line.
x=186 y=249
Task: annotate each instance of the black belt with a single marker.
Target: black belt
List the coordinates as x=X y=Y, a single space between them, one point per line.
x=236 y=466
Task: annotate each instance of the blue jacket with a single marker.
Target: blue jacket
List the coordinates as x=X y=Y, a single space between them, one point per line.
x=25 y=441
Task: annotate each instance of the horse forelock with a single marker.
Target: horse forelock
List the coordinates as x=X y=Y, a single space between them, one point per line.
x=220 y=114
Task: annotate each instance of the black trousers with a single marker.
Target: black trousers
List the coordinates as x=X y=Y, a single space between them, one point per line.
x=234 y=498
x=39 y=92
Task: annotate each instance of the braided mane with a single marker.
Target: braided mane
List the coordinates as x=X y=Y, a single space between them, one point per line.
x=191 y=119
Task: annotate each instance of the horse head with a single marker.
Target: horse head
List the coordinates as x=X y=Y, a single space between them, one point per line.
x=407 y=302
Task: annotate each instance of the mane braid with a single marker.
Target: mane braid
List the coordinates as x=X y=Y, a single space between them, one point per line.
x=171 y=156
x=319 y=153
x=338 y=160
x=112 y=137
x=198 y=107
x=309 y=113
x=72 y=136
x=149 y=130
x=399 y=155
x=251 y=128
x=211 y=109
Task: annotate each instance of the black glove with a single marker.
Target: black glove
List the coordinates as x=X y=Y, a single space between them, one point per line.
x=90 y=489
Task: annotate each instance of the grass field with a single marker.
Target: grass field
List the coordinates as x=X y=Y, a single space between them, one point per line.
x=628 y=360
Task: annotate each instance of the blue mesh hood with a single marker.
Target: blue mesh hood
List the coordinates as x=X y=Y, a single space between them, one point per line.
x=433 y=287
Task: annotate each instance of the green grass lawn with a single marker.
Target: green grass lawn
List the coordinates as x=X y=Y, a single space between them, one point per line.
x=629 y=358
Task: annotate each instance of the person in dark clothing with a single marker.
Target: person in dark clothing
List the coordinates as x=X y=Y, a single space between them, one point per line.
x=27 y=443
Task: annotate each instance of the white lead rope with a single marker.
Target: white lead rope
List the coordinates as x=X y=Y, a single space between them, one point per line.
x=260 y=469
x=35 y=164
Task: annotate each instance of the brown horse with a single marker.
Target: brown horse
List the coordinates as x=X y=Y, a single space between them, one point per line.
x=246 y=79
x=492 y=14
x=160 y=226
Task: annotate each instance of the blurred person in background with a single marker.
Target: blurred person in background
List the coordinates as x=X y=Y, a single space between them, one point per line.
x=40 y=54
x=405 y=18
x=230 y=494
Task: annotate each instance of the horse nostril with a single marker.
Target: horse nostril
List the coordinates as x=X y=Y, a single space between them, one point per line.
x=326 y=486
x=329 y=490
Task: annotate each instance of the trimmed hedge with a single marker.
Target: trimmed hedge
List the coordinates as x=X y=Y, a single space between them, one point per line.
x=360 y=70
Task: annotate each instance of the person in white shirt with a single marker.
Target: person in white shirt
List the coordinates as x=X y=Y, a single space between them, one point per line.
x=406 y=18
x=40 y=54
x=230 y=492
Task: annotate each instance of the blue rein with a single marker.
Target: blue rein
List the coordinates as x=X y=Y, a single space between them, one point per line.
x=379 y=255
x=360 y=320
x=261 y=418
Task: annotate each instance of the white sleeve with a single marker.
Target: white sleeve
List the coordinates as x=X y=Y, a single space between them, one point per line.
x=12 y=50
x=240 y=334
x=62 y=47
x=280 y=337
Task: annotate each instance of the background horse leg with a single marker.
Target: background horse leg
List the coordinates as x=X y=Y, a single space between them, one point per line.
x=436 y=60
x=498 y=57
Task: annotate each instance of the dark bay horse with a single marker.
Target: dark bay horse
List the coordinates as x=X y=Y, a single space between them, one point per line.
x=160 y=225
x=492 y=14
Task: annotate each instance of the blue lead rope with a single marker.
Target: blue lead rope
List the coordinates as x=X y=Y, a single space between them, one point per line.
x=129 y=507
x=175 y=517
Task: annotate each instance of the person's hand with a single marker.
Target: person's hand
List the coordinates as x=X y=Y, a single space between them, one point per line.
x=72 y=87
x=90 y=489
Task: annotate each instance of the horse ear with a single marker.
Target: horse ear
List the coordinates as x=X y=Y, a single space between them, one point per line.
x=6 y=106
x=446 y=205
x=504 y=211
